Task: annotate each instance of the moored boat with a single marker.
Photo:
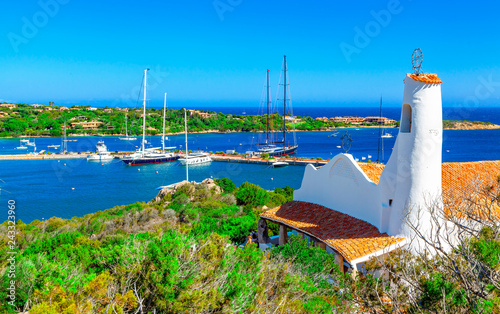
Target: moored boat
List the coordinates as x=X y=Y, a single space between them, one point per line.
x=146 y=156
x=269 y=147
x=127 y=137
x=102 y=153
x=279 y=164
x=195 y=158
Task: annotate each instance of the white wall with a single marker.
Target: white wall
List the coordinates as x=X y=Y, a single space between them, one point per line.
x=341 y=185
x=410 y=181
x=412 y=178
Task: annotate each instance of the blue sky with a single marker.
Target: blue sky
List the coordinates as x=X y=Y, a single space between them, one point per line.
x=217 y=52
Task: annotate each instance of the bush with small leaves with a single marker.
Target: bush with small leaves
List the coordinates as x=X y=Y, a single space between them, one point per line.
x=251 y=194
x=225 y=184
x=228 y=199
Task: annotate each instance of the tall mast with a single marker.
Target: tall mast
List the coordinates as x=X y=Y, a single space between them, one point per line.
x=65 y=142
x=267 y=101
x=126 y=131
x=379 y=131
x=186 y=138
x=144 y=112
x=164 y=112
x=284 y=102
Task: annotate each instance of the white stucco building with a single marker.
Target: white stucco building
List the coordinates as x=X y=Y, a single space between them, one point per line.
x=412 y=172
x=360 y=210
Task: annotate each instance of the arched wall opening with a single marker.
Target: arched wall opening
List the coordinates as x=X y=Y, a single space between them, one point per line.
x=406 y=119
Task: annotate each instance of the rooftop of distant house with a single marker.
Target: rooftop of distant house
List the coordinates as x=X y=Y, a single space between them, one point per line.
x=358 y=120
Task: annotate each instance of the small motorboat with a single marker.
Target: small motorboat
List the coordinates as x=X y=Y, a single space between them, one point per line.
x=279 y=164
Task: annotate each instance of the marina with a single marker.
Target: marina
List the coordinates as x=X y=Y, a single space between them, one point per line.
x=458 y=145
x=43 y=183
x=213 y=157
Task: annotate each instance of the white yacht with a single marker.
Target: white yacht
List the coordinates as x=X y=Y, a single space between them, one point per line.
x=195 y=158
x=279 y=164
x=101 y=154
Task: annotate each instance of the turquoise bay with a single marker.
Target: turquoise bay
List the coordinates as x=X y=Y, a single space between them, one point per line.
x=75 y=187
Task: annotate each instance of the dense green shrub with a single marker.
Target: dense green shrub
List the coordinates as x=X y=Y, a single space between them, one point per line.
x=276 y=199
x=287 y=192
x=251 y=194
x=226 y=185
x=180 y=198
x=310 y=259
x=187 y=189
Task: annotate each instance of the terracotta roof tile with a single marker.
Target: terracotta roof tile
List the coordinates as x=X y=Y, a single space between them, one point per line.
x=351 y=237
x=372 y=170
x=461 y=183
x=430 y=78
x=471 y=188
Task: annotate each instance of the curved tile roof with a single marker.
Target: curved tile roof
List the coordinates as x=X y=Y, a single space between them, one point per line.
x=351 y=237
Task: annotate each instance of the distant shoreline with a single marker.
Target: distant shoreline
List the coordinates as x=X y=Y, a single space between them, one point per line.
x=199 y=132
x=456 y=126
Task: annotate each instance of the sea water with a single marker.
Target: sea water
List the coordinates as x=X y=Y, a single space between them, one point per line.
x=75 y=187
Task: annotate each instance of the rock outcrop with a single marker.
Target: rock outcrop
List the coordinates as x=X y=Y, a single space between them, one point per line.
x=208 y=183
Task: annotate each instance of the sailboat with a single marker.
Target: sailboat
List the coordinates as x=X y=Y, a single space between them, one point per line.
x=145 y=156
x=64 y=148
x=127 y=137
x=29 y=143
x=171 y=186
x=195 y=158
x=380 y=138
x=270 y=147
x=163 y=136
x=21 y=145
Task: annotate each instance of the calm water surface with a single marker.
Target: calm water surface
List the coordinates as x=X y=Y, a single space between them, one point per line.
x=67 y=188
